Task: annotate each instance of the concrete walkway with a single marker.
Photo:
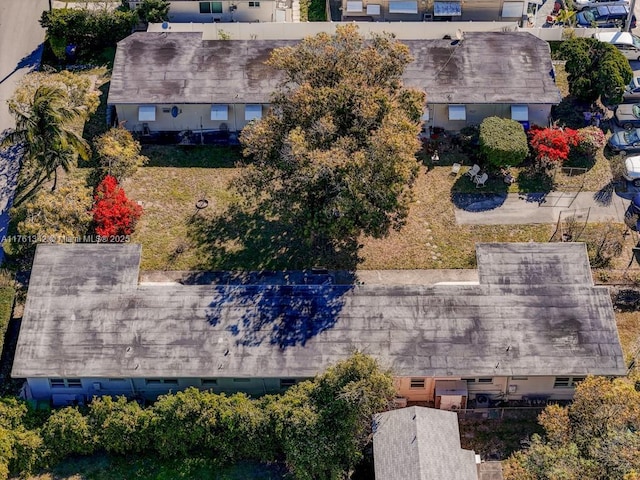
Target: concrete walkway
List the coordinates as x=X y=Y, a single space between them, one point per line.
x=514 y=208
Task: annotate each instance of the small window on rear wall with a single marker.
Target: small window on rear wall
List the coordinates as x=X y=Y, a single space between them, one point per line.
x=252 y=112
x=146 y=113
x=457 y=112
x=220 y=112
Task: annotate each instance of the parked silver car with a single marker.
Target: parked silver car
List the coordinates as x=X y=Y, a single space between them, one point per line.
x=624 y=141
x=627 y=115
x=632 y=92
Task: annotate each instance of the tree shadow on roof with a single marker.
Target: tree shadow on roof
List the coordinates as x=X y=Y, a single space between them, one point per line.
x=282 y=315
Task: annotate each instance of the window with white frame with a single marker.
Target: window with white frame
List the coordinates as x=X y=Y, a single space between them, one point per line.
x=403 y=7
x=354 y=6
x=457 y=112
x=252 y=112
x=210 y=7
x=373 y=9
x=65 y=383
x=220 y=112
x=520 y=113
x=254 y=4
x=146 y=113
x=567 y=382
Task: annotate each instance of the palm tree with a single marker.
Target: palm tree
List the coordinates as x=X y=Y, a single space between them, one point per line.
x=43 y=128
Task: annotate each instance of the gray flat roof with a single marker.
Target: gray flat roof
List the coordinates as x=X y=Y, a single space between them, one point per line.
x=86 y=317
x=180 y=67
x=423 y=444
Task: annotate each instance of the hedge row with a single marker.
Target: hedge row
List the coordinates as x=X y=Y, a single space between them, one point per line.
x=298 y=427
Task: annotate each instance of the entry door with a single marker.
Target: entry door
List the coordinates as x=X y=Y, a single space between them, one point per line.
x=281 y=16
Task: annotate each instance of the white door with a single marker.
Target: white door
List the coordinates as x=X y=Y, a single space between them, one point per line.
x=281 y=16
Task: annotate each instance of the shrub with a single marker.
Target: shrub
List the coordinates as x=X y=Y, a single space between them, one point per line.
x=552 y=144
x=590 y=140
x=113 y=213
x=67 y=432
x=503 y=141
x=89 y=30
x=120 y=426
x=119 y=153
x=59 y=215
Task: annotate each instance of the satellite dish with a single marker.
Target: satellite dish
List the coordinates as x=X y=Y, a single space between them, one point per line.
x=165 y=25
x=175 y=111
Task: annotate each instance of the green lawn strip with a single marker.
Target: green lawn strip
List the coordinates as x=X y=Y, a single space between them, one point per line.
x=7 y=293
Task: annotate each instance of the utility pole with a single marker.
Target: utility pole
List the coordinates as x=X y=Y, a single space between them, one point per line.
x=632 y=7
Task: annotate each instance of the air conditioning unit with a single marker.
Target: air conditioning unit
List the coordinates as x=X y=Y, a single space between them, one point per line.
x=97 y=386
x=400 y=402
x=513 y=388
x=482 y=401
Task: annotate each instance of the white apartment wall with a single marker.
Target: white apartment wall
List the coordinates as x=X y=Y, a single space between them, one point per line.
x=298 y=31
x=439 y=115
x=189 y=11
x=191 y=117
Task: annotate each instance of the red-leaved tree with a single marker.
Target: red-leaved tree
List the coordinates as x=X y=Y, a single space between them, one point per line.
x=552 y=144
x=113 y=213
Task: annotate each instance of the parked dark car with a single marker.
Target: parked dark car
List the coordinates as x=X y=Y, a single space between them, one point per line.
x=605 y=16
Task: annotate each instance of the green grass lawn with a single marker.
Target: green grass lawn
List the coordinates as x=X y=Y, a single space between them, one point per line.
x=7 y=293
x=104 y=467
x=430 y=239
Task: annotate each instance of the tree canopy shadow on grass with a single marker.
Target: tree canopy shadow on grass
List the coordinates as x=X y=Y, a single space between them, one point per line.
x=250 y=239
x=282 y=315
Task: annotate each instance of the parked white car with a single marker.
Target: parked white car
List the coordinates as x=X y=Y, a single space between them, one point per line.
x=632 y=170
x=627 y=43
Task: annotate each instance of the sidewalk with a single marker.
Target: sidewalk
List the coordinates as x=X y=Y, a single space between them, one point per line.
x=514 y=208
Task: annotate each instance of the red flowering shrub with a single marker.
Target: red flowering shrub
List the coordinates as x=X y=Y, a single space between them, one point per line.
x=552 y=144
x=113 y=213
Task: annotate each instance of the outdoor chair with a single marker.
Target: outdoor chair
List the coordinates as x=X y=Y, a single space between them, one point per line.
x=455 y=168
x=480 y=180
x=473 y=172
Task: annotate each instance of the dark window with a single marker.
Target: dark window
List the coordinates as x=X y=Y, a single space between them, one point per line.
x=205 y=7
x=470 y=380
x=57 y=383
x=152 y=381
x=576 y=380
x=417 y=383
x=287 y=382
x=74 y=383
x=561 y=382
x=485 y=380
x=519 y=378
x=254 y=4
x=170 y=381
x=116 y=379
x=209 y=382
x=216 y=7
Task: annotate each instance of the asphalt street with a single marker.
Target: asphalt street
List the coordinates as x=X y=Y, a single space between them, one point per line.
x=21 y=39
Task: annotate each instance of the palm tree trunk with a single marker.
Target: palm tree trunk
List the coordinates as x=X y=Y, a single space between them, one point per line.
x=55 y=180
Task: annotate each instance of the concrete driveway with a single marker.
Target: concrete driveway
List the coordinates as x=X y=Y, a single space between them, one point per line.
x=21 y=39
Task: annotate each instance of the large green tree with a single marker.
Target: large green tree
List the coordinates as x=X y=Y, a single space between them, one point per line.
x=596 y=437
x=45 y=130
x=596 y=70
x=119 y=153
x=153 y=11
x=335 y=154
x=323 y=426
